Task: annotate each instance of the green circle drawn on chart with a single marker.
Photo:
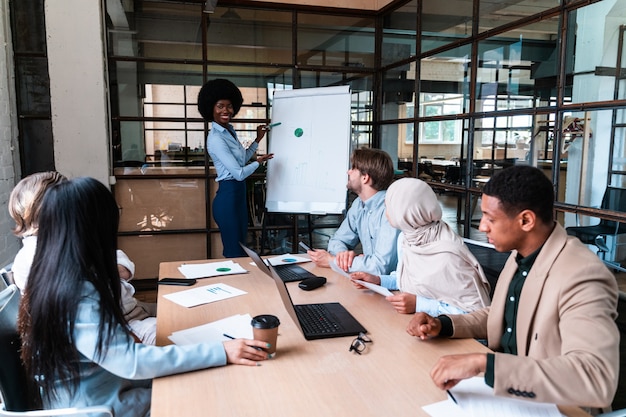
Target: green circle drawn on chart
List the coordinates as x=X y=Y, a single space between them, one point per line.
x=298 y=132
x=223 y=269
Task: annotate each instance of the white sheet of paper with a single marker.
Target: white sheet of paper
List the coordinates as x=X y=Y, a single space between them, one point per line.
x=446 y=408
x=477 y=398
x=237 y=326
x=211 y=269
x=203 y=295
x=376 y=288
x=287 y=258
x=338 y=270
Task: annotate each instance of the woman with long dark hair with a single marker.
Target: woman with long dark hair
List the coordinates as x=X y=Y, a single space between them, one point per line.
x=75 y=342
x=219 y=101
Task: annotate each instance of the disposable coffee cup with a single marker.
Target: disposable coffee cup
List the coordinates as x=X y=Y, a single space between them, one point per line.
x=265 y=328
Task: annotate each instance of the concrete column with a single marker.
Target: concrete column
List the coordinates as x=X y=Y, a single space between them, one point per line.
x=76 y=62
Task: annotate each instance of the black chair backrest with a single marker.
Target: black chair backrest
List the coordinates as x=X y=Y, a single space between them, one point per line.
x=6 y=278
x=13 y=381
x=453 y=174
x=614 y=199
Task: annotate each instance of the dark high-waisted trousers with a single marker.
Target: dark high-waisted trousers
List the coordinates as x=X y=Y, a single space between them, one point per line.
x=230 y=212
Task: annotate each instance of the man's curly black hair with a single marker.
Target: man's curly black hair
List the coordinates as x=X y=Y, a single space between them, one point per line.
x=214 y=91
x=522 y=187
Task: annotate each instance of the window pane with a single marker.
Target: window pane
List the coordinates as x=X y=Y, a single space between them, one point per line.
x=33 y=86
x=445 y=22
x=542 y=141
x=502 y=138
x=250 y=76
x=394 y=142
x=249 y=35
x=398 y=90
x=495 y=13
x=362 y=101
x=37 y=151
x=132 y=85
x=440 y=158
x=594 y=34
x=28 y=28
x=336 y=41
x=517 y=69
x=445 y=81
x=399 y=30
x=361 y=136
x=155 y=29
x=592 y=143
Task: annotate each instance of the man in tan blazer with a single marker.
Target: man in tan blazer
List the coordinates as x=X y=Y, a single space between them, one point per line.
x=551 y=322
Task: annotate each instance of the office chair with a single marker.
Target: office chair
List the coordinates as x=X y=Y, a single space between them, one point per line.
x=614 y=199
x=452 y=175
x=6 y=278
x=16 y=400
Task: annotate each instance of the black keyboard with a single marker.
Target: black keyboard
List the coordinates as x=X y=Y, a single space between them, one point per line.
x=316 y=319
x=291 y=273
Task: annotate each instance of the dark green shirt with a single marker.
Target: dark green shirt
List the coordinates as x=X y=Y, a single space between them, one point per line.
x=508 y=343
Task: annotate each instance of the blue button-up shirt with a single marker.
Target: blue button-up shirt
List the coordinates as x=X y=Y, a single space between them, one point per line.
x=228 y=154
x=366 y=222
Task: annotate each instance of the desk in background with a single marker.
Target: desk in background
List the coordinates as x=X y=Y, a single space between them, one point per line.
x=319 y=377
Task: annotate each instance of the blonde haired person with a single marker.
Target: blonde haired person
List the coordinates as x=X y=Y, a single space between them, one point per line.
x=436 y=272
x=24 y=206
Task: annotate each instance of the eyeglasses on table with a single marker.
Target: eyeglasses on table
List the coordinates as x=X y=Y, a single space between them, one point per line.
x=359 y=344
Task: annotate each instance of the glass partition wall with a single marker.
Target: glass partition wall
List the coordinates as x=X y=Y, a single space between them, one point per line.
x=503 y=83
x=160 y=54
x=453 y=92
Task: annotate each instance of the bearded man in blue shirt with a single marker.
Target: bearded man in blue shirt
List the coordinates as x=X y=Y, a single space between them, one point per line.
x=370 y=174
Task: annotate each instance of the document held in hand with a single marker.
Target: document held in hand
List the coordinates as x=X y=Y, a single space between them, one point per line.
x=376 y=288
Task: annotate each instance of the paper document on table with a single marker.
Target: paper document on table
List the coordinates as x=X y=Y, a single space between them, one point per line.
x=376 y=288
x=203 y=295
x=338 y=270
x=287 y=258
x=445 y=408
x=478 y=399
x=237 y=326
x=211 y=269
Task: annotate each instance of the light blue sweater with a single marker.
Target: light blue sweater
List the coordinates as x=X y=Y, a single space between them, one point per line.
x=365 y=222
x=122 y=377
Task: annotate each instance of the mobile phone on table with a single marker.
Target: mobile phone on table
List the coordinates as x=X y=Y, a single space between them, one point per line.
x=177 y=281
x=304 y=246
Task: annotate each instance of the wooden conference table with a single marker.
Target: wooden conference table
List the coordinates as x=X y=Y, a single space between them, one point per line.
x=320 y=377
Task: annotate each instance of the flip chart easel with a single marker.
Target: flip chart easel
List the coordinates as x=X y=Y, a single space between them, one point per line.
x=311 y=148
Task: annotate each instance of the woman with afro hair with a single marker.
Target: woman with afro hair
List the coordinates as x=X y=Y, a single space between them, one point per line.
x=219 y=101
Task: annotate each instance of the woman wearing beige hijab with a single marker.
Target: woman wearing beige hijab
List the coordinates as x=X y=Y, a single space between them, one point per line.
x=436 y=272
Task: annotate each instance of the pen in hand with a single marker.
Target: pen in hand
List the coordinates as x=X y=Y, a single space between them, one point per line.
x=451 y=396
x=269 y=127
x=233 y=338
